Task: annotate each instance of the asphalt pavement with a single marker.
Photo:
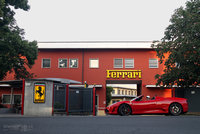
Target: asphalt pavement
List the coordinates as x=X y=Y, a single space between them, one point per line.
x=135 y=124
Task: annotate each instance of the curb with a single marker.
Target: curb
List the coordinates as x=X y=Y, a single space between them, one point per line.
x=193 y=113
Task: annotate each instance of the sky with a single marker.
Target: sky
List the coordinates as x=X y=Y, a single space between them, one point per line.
x=96 y=20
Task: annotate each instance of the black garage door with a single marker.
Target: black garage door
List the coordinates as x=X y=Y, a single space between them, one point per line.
x=193 y=96
x=80 y=100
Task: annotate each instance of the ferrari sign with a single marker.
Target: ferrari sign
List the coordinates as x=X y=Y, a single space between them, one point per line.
x=116 y=74
x=39 y=93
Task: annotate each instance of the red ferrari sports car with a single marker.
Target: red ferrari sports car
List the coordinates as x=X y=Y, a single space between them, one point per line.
x=156 y=105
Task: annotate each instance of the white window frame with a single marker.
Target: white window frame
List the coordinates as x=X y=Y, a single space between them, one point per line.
x=114 y=62
x=10 y=98
x=156 y=61
x=59 y=62
x=90 y=62
x=42 y=62
x=73 y=59
x=129 y=59
x=3 y=97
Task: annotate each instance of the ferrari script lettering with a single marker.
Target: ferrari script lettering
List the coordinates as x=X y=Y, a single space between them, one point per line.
x=116 y=74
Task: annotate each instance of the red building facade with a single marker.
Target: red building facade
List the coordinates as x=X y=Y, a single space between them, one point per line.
x=101 y=63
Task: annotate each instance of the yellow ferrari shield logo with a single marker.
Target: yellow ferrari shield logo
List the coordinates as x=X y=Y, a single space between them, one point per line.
x=39 y=93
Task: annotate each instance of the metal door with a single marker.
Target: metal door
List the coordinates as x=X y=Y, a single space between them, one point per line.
x=193 y=96
x=80 y=100
x=59 y=97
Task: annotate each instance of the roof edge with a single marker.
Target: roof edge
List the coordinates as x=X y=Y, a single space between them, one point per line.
x=96 y=45
x=95 y=41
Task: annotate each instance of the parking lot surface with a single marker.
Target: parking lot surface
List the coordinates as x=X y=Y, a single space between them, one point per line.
x=135 y=124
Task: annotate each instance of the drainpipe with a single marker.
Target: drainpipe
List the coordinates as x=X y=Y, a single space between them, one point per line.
x=83 y=54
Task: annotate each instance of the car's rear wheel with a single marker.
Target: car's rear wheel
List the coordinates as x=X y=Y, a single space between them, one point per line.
x=124 y=110
x=175 y=109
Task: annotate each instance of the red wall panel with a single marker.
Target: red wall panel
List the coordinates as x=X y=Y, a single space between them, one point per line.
x=98 y=75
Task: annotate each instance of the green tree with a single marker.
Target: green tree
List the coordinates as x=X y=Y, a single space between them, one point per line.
x=16 y=53
x=179 y=49
x=108 y=95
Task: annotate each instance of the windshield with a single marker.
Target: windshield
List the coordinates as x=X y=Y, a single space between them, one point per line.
x=137 y=98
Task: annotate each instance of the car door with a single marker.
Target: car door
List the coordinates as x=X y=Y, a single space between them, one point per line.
x=144 y=106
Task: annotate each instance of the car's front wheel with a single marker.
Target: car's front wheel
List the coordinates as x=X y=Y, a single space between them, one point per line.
x=124 y=110
x=175 y=109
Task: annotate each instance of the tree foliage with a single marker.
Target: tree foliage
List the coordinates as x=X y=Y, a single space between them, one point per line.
x=108 y=95
x=16 y=53
x=179 y=49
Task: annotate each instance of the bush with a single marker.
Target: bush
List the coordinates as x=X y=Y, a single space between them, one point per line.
x=108 y=95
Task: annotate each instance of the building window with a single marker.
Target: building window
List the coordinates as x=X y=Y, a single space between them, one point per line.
x=118 y=63
x=122 y=92
x=94 y=63
x=113 y=91
x=129 y=63
x=46 y=63
x=6 y=99
x=131 y=92
x=118 y=92
x=17 y=99
x=73 y=63
x=62 y=63
x=153 y=63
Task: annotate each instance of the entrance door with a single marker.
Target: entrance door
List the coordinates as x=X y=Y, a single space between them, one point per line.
x=193 y=96
x=96 y=103
x=80 y=100
x=59 y=98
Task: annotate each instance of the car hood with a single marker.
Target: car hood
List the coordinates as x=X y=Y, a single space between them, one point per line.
x=118 y=103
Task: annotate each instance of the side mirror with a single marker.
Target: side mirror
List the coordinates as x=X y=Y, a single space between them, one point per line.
x=148 y=97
